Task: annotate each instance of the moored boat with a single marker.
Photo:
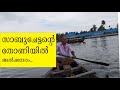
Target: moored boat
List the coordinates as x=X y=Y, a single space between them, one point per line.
x=76 y=40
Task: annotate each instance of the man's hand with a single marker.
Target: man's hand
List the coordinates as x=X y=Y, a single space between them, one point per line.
x=74 y=57
x=73 y=54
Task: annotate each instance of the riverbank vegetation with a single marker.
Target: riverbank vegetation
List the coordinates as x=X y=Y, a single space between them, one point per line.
x=94 y=28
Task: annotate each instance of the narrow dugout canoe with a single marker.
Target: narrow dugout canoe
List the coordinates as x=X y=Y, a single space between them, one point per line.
x=76 y=71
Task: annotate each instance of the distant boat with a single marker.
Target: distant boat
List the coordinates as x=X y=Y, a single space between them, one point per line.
x=76 y=40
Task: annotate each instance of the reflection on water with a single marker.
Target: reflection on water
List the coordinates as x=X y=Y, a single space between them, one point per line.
x=99 y=42
x=103 y=49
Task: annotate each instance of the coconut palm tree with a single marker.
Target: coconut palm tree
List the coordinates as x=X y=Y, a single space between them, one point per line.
x=103 y=22
x=94 y=27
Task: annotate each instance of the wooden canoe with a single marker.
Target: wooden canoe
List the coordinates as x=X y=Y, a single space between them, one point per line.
x=76 y=71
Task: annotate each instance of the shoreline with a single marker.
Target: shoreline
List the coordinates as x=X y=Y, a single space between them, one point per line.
x=100 y=36
x=115 y=34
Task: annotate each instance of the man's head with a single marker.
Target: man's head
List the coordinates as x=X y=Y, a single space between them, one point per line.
x=63 y=39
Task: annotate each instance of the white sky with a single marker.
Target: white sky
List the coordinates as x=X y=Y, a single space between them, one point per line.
x=54 y=21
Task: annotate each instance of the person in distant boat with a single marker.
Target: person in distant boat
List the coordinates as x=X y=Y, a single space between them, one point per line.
x=82 y=40
x=63 y=51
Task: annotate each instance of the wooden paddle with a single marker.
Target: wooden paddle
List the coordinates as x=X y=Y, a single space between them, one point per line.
x=101 y=63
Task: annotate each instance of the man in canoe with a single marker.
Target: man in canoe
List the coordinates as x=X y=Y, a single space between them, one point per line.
x=63 y=51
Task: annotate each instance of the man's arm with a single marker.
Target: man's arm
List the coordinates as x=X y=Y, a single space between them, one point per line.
x=72 y=51
x=57 y=50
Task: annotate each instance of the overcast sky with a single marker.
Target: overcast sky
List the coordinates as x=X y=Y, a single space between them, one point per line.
x=54 y=21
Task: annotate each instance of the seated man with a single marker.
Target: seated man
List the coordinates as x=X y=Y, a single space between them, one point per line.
x=64 y=50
